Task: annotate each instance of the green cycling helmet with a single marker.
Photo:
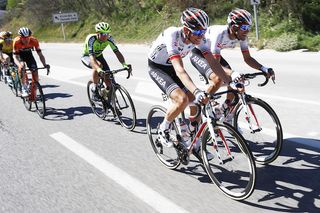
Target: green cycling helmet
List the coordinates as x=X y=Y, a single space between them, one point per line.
x=103 y=27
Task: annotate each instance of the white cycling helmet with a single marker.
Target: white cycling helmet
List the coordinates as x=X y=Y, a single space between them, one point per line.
x=24 y=32
x=193 y=18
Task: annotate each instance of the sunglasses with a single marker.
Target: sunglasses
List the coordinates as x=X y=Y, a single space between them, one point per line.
x=104 y=34
x=198 y=32
x=245 y=27
x=8 y=39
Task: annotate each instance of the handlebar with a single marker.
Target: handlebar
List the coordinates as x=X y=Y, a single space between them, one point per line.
x=253 y=75
x=40 y=68
x=119 y=70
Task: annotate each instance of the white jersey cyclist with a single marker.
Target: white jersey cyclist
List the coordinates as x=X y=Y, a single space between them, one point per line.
x=219 y=38
x=169 y=44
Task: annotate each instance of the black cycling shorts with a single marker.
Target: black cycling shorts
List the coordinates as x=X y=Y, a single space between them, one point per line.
x=86 y=61
x=165 y=77
x=27 y=57
x=201 y=64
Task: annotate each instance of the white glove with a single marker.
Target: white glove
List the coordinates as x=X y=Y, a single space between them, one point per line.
x=269 y=71
x=236 y=82
x=199 y=96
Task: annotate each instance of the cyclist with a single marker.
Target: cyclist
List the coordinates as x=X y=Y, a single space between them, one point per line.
x=6 y=52
x=93 y=57
x=227 y=36
x=23 y=44
x=166 y=67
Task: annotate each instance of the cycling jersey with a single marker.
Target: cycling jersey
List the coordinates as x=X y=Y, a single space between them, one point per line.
x=93 y=46
x=169 y=45
x=218 y=38
x=19 y=47
x=4 y=47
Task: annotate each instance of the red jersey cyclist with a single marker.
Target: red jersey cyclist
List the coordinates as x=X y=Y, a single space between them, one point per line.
x=227 y=36
x=166 y=67
x=22 y=47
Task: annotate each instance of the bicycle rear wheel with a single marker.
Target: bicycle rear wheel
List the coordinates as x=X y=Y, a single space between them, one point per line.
x=39 y=101
x=233 y=168
x=124 y=107
x=265 y=137
x=168 y=156
x=98 y=107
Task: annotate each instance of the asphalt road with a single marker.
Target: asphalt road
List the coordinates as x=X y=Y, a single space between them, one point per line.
x=71 y=161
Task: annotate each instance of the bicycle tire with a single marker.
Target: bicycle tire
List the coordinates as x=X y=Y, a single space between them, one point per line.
x=98 y=107
x=265 y=142
x=233 y=167
x=121 y=100
x=27 y=102
x=167 y=156
x=1 y=74
x=40 y=101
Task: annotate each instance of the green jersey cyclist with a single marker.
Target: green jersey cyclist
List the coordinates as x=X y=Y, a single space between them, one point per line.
x=93 y=54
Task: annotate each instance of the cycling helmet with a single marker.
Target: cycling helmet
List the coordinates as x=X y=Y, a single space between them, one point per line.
x=194 y=18
x=24 y=32
x=238 y=17
x=103 y=27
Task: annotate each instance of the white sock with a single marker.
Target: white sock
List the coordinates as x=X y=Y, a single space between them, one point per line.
x=165 y=124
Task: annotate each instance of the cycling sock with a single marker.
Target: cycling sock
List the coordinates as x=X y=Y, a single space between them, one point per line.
x=165 y=124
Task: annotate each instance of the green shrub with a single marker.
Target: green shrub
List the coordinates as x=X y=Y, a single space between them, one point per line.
x=285 y=42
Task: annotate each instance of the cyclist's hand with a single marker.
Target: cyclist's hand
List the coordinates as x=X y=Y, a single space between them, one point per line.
x=100 y=72
x=126 y=66
x=200 y=97
x=269 y=72
x=47 y=66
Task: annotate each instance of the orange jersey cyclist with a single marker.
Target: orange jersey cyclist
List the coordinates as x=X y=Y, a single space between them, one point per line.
x=23 y=44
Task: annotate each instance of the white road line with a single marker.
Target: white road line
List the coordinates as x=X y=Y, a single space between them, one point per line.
x=137 y=188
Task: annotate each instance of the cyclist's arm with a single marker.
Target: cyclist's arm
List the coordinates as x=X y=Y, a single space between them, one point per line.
x=42 y=58
x=251 y=61
x=119 y=56
x=216 y=67
x=182 y=74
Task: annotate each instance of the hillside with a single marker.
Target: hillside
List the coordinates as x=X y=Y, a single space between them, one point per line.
x=283 y=24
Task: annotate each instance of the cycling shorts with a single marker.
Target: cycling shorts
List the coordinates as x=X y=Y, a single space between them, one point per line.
x=202 y=65
x=27 y=57
x=86 y=61
x=165 y=77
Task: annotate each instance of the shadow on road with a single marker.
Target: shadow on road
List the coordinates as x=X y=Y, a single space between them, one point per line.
x=67 y=113
x=292 y=182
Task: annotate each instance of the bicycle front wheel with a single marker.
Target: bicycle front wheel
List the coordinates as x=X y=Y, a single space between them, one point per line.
x=99 y=107
x=39 y=100
x=124 y=107
x=260 y=126
x=233 y=168
x=168 y=156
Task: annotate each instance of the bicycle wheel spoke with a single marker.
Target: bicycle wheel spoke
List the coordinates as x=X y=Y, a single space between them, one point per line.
x=167 y=156
x=124 y=107
x=232 y=169
x=261 y=127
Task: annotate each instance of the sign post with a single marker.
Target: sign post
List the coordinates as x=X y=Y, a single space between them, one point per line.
x=255 y=3
x=63 y=18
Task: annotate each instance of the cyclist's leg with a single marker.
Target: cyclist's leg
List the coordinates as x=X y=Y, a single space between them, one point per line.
x=170 y=84
x=20 y=63
x=32 y=65
x=104 y=65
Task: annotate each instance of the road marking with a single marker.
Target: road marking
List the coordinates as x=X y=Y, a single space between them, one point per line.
x=137 y=188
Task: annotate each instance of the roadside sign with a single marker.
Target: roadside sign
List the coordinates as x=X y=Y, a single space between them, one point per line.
x=64 y=17
x=254 y=2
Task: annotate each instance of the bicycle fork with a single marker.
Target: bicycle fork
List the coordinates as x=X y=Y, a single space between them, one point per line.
x=249 y=113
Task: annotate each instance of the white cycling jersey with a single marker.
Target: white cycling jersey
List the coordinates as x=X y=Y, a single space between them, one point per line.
x=218 y=38
x=169 y=44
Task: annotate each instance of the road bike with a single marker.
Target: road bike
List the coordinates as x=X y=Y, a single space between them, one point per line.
x=233 y=167
x=257 y=122
x=113 y=99
x=35 y=92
